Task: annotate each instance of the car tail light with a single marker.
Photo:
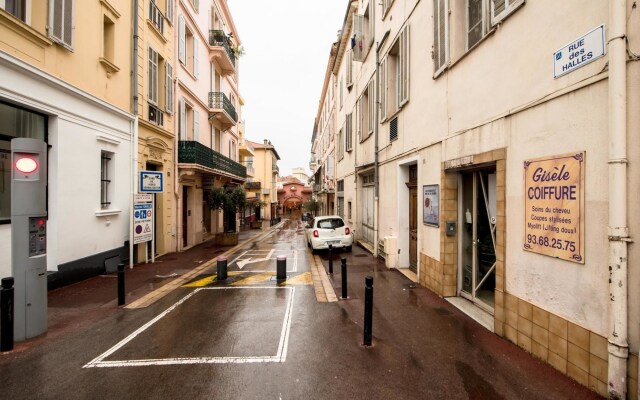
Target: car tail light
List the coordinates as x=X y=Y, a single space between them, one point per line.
x=347 y=230
x=315 y=234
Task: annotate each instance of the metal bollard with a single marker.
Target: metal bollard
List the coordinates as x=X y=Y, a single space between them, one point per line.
x=121 y=284
x=6 y=318
x=222 y=268
x=281 y=268
x=368 y=310
x=331 y=259
x=344 y=278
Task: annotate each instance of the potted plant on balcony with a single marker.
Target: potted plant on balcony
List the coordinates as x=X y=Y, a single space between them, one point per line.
x=230 y=201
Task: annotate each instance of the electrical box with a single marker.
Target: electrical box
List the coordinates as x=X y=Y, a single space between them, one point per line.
x=29 y=236
x=450 y=228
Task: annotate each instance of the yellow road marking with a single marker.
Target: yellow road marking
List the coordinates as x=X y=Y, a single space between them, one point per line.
x=206 y=281
x=302 y=279
x=257 y=278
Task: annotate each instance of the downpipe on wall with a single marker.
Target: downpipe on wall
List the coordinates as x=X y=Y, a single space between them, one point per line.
x=376 y=172
x=618 y=231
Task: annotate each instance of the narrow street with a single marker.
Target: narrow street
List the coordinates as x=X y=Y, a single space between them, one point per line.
x=251 y=337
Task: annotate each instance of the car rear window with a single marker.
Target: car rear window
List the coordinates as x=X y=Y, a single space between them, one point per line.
x=332 y=223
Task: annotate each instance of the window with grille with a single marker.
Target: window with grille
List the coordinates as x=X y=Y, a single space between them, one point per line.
x=61 y=22
x=156 y=17
x=341 y=206
x=105 y=179
x=393 y=129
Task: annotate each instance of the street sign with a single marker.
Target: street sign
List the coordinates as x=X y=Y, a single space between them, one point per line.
x=151 y=182
x=142 y=221
x=579 y=53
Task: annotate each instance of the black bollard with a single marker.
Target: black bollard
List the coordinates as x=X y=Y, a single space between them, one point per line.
x=368 y=310
x=331 y=259
x=281 y=268
x=6 y=317
x=344 y=277
x=121 y=284
x=222 y=268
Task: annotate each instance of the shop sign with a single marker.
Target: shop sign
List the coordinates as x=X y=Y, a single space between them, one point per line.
x=431 y=201
x=554 y=206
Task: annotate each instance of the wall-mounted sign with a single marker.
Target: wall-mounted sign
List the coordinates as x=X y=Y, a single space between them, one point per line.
x=151 y=182
x=142 y=218
x=554 y=206
x=431 y=201
x=579 y=53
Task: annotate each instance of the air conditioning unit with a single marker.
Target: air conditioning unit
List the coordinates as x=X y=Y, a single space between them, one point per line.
x=155 y=115
x=391 y=250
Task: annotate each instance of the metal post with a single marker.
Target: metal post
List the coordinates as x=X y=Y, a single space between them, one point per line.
x=331 y=259
x=121 y=284
x=344 y=277
x=368 y=310
x=222 y=268
x=6 y=318
x=281 y=268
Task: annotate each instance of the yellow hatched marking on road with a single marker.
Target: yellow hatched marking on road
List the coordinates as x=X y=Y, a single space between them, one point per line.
x=253 y=279
x=302 y=279
x=206 y=281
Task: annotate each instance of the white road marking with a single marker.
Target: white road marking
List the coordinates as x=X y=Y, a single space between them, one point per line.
x=242 y=263
x=280 y=356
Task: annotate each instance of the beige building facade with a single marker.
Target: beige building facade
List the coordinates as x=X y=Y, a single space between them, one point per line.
x=66 y=82
x=464 y=118
x=264 y=183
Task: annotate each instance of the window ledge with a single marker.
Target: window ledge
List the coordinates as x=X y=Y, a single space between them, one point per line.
x=109 y=66
x=24 y=30
x=107 y=213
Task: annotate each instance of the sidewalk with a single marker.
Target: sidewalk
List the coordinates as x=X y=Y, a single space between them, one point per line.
x=78 y=306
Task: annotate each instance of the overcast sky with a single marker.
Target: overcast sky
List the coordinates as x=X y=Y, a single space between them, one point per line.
x=287 y=45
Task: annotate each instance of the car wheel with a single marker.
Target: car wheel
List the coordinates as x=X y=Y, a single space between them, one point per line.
x=349 y=248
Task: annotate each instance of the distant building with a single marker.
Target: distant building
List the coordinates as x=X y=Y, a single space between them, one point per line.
x=264 y=183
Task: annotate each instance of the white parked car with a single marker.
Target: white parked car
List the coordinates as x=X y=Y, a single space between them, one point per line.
x=328 y=230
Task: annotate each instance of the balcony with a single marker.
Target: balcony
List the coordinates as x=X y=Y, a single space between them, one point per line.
x=220 y=50
x=251 y=171
x=207 y=160
x=253 y=185
x=275 y=169
x=246 y=149
x=222 y=110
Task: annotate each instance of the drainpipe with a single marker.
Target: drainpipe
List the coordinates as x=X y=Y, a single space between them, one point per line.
x=618 y=230
x=376 y=178
x=134 y=142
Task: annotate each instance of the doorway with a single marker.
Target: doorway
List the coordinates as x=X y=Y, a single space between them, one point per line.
x=185 y=216
x=413 y=218
x=477 y=244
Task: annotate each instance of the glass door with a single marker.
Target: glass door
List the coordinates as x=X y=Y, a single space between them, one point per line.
x=477 y=246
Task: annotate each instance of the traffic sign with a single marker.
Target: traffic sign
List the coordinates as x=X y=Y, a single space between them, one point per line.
x=142 y=222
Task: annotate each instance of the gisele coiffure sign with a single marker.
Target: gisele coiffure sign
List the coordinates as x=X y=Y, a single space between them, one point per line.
x=554 y=206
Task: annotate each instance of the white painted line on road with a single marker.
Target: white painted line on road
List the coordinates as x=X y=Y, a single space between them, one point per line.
x=280 y=356
x=236 y=259
x=249 y=260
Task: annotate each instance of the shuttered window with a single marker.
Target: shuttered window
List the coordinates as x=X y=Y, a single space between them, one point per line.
x=349 y=68
x=169 y=11
x=371 y=107
x=383 y=90
x=500 y=9
x=183 y=121
x=358 y=42
x=440 y=34
x=61 y=22
x=168 y=88
x=153 y=77
x=348 y=133
x=403 y=68
x=393 y=129
x=196 y=69
x=182 y=38
x=196 y=125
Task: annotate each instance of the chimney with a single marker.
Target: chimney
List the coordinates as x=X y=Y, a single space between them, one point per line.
x=265 y=141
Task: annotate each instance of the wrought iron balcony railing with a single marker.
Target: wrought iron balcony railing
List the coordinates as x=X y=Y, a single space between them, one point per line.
x=219 y=100
x=191 y=152
x=219 y=38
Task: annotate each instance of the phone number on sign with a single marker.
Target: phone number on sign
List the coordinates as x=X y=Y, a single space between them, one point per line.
x=553 y=243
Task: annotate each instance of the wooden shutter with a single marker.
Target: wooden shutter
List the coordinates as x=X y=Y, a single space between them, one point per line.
x=358 y=40
x=196 y=5
x=168 y=88
x=169 y=10
x=183 y=120
x=383 y=89
x=196 y=125
x=196 y=69
x=153 y=77
x=403 y=81
x=61 y=21
x=440 y=25
x=182 y=38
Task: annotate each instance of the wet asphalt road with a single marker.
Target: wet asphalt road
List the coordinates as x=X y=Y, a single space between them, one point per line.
x=250 y=338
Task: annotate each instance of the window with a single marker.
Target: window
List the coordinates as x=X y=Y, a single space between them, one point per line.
x=348 y=143
x=500 y=9
x=382 y=89
x=366 y=112
x=156 y=17
x=363 y=32
x=341 y=206
x=188 y=48
x=153 y=77
x=186 y=119
x=396 y=72
x=386 y=5
x=476 y=22
x=196 y=5
x=106 y=172
x=341 y=90
x=371 y=108
x=168 y=88
x=440 y=32
x=182 y=45
x=169 y=10
x=195 y=131
x=108 y=38
x=18 y=8
x=61 y=22
x=340 y=186
x=14 y=123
